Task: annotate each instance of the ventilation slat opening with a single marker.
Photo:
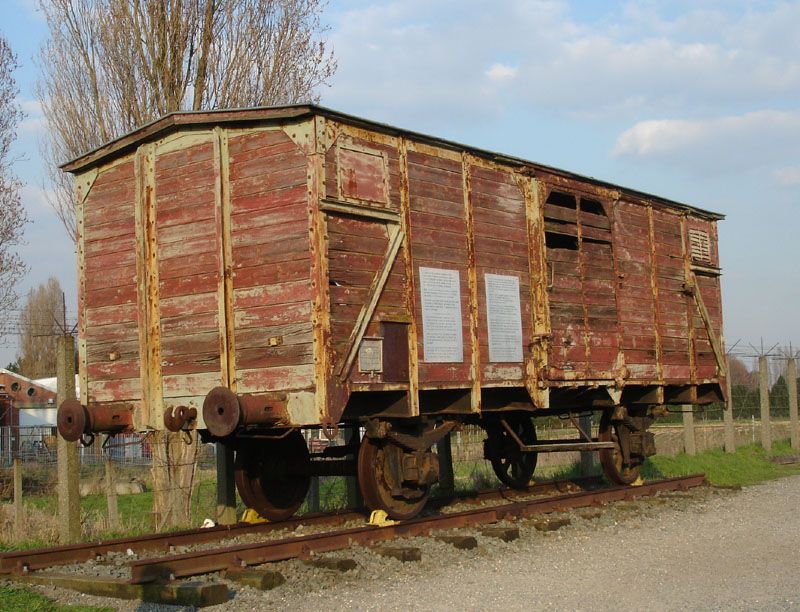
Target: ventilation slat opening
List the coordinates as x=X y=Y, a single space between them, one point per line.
x=700 y=245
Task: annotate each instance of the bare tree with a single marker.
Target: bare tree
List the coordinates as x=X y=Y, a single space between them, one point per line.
x=740 y=374
x=113 y=65
x=12 y=215
x=40 y=323
x=110 y=66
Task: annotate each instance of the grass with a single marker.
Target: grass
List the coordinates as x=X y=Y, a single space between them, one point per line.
x=135 y=512
x=20 y=598
x=748 y=465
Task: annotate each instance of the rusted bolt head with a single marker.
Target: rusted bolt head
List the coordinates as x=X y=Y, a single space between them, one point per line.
x=71 y=419
x=221 y=411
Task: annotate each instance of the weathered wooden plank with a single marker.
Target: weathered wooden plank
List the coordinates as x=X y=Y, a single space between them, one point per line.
x=278 y=179
x=239 y=144
x=279 y=314
x=274 y=232
x=178 y=385
x=290 y=333
x=247 y=169
x=115 y=390
x=283 y=378
x=436 y=206
x=271 y=273
x=272 y=356
x=188 y=323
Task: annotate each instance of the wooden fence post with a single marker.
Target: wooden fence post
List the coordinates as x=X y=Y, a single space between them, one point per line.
x=19 y=512
x=226 y=486
x=69 y=500
x=111 y=496
x=763 y=393
x=791 y=383
x=688 y=429
x=727 y=413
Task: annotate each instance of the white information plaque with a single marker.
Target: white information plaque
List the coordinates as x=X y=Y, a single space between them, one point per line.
x=440 y=294
x=504 y=318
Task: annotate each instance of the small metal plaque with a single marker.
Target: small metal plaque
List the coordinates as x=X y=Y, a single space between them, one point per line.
x=370 y=355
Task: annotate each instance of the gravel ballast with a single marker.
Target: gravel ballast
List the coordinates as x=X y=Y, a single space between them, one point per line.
x=704 y=549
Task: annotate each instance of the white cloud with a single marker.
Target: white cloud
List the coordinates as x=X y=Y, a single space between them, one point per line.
x=34 y=121
x=36 y=201
x=788 y=177
x=411 y=58
x=501 y=72
x=751 y=140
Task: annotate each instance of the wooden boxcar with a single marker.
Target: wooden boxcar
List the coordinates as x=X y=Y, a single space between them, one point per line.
x=253 y=272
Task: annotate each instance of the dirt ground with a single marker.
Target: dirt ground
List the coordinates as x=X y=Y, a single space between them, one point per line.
x=704 y=550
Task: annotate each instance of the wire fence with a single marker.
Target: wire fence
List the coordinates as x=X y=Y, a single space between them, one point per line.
x=131 y=483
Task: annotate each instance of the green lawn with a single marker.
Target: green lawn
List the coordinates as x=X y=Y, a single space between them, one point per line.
x=20 y=598
x=748 y=465
x=135 y=512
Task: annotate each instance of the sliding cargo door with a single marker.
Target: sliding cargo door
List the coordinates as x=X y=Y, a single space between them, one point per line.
x=503 y=275
x=582 y=287
x=369 y=317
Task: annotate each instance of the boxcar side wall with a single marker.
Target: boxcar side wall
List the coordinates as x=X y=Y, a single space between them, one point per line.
x=506 y=290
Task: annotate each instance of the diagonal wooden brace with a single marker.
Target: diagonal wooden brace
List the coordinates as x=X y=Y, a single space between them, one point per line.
x=712 y=338
x=396 y=236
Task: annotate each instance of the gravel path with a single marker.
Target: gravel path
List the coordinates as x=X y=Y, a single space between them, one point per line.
x=706 y=549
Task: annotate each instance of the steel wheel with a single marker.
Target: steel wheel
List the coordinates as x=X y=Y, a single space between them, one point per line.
x=378 y=485
x=611 y=458
x=513 y=467
x=270 y=475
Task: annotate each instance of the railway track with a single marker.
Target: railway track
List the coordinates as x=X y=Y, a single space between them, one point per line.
x=23 y=561
x=160 y=574
x=235 y=557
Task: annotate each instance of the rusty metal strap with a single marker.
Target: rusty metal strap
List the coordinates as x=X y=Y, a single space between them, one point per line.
x=396 y=237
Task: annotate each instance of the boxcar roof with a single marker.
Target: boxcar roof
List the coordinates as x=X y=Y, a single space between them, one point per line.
x=186 y=119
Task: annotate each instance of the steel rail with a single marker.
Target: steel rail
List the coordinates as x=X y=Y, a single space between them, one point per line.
x=233 y=557
x=20 y=561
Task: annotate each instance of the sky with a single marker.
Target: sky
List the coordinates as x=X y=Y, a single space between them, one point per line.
x=697 y=101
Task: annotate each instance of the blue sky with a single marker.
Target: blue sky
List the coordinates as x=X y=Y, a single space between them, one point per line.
x=695 y=101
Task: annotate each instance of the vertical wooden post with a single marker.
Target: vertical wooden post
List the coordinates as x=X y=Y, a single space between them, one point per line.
x=688 y=429
x=69 y=501
x=587 y=457
x=763 y=392
x=19 y=515
x=352 y=492
x=727 y=414
x=226 y=487
x=791 y=384
x=111 y=496
x=445 y=452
